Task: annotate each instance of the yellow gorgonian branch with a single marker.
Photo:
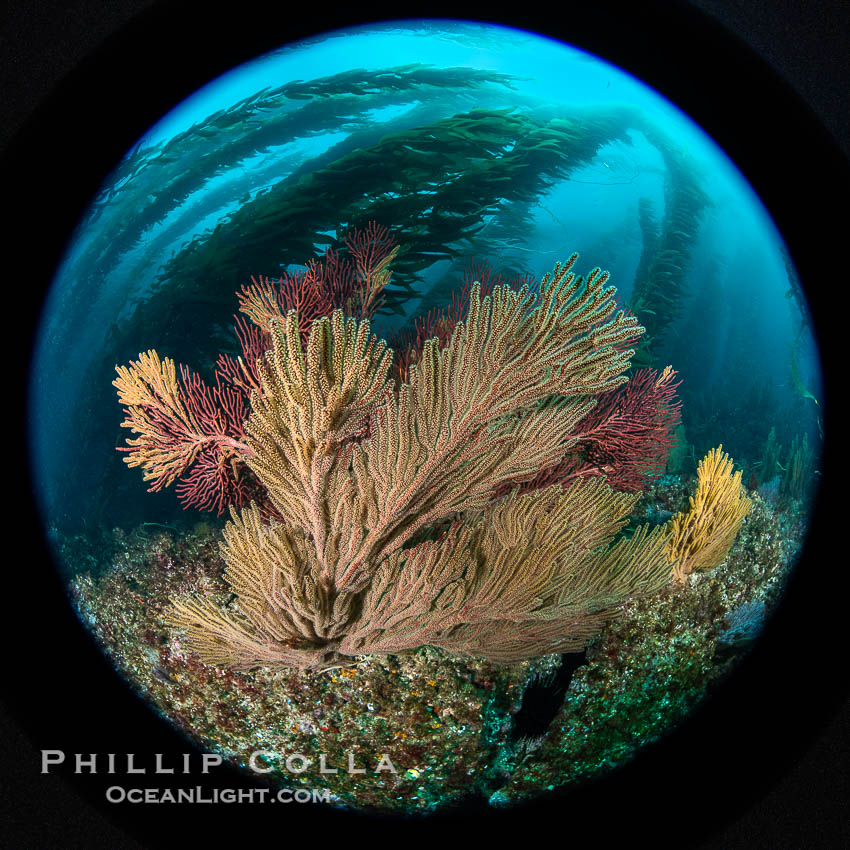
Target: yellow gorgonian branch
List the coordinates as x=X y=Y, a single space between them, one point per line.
x=181 y=422
x=704 y=533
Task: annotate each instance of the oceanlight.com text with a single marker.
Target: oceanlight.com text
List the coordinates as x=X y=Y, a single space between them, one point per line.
x=119 y=794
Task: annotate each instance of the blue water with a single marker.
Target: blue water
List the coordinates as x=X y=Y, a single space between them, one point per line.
x=748 y=329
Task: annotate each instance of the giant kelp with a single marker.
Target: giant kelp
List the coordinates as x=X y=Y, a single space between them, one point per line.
x=662 y=279
x=438 y=185
x=158 y=180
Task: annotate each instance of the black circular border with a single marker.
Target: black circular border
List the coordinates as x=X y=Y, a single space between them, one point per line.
x=61 y=691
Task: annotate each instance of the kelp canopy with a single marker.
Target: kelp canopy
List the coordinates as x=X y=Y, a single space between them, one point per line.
x=437 y=184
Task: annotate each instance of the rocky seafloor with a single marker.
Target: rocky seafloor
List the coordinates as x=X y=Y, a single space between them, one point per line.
x=453 y=729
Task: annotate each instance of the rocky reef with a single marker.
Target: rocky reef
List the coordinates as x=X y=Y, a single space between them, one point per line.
x=423 y=731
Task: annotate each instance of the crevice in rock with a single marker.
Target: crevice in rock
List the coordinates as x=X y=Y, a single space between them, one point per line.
x=543 y=698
